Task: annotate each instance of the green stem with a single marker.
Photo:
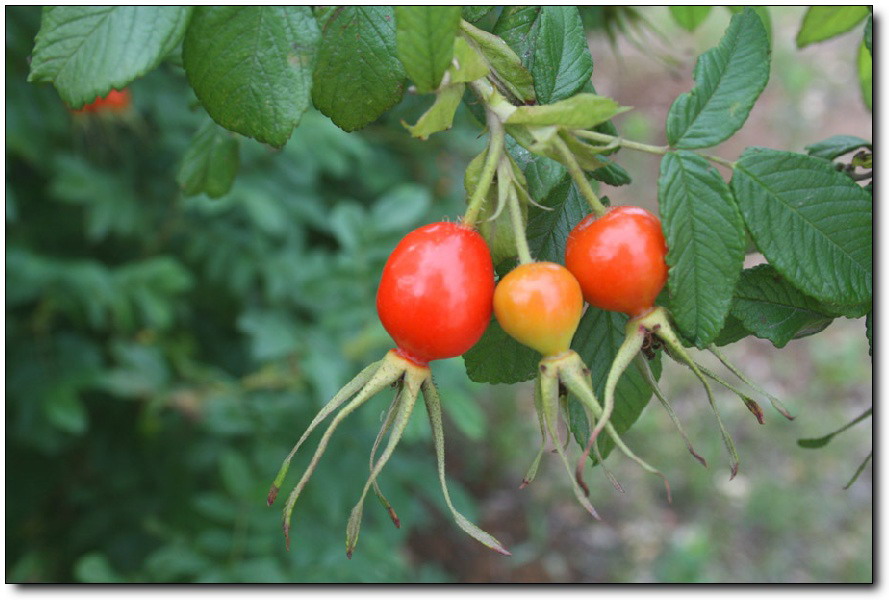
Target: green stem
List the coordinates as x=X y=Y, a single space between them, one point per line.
x=518 y=227
x=740 y=375
x=660 y=150
x=495 y=152
x=580 y=179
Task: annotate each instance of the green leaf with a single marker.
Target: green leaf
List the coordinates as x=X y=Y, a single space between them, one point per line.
x=837 y=145
x=598 y=337
x=764 y=16
x=869 y=34
x=582 y=111
x=211 y=162
x=728 y=80
x=425 y=41
x=548 y=230
x=251 y=67
x=475 y=13
x=518 y=27
x=732 y=331
x=358 y=76
x=503 y=61
x=706 y=241
x=824 y=440
x=690 y=16
x=562 y=62
x=551 y=43
x=612 y=173
x=824 y=22
x=865 y=75
x=64 y=409
x=498 y=358
x=812 y=223
x=440 y=115
x=470 y=66
x=85 y=51
x=772 y=309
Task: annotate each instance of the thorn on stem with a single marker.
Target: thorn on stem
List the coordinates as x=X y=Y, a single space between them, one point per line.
x=699 y=458
x=273 y=493
x=349 y=554
x=524 y=484
x=734 y=470
x=755 y=408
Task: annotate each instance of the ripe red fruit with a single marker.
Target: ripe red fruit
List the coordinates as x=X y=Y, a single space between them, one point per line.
x=618 y=259
x=115 y=101
x=540 y=305
x=436 y=292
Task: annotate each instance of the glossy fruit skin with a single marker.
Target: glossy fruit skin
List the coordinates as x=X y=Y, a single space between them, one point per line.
x=540 y=305
x=436 y=292
x=619 y=259
x=115 y=101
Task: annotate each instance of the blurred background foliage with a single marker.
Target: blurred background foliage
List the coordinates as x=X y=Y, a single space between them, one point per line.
x=164 y=352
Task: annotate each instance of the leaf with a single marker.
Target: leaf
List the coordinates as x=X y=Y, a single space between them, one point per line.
x=470 y=66
x=498 y=358
x=764 y=16
x=728 y=80
x=548 y=230
x=518 y=27
x=824 y=22
x=425 y=41
x=772 y=309
x=598 y=337
x=551 y=43
x=865 y=75
x=85 y=51
x=210 y=164
x=562 y=62
x=582 y=111
x=475 y=13
x=706 y=241
x=690 y=16
x=869 y=34
x=503 y=61
x=440 y=115
x=357 y=76
x=812 y=223
x=251 y=67
x=732 y=331
x=837 y=145
x=612 y=173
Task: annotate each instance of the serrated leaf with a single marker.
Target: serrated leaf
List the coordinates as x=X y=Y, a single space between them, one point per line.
x=518 y=26
x=706 y=241
x=562 y=61
x=440 y=115
x=824 y=22
x=770 y=308
x=85 y=51
x=762 y=12
x=498 y=358
x=551 y=43
x=475 y=13
x=503 y=61
x=251 y=67
x=210 y=164
x=582 y=111
x=869 y=34
x=728 y=80
x=425 y=41
x=690 y=16
x=597 y=340
x=611 y=174
x=866 y=75
x=837 y=145
x=357 y=76
x=548 y=230
x=812 y=223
